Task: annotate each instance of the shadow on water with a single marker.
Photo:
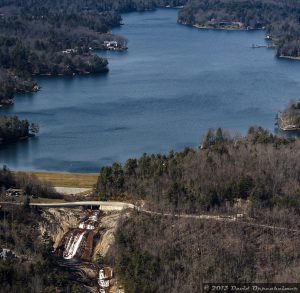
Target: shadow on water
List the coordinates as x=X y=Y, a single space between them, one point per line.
x=13 y=153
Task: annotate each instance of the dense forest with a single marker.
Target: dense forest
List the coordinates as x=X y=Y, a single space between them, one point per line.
x=279 y=18
x=255 y=177
x=156 y=254
x=30 y=185
x=30 y=266
x=259 y=168
x=27 y=261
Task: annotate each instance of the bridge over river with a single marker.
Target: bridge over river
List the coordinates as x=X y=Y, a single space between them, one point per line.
x=118 y=206
x=102 y=205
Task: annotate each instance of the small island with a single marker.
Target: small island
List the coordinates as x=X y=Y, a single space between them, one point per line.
x=289 y=118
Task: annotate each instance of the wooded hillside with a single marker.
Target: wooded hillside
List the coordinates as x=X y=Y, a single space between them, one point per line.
x=247 y=187
x=260 y=167
x=156 y=254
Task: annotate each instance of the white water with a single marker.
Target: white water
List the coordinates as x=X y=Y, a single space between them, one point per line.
x=86 y=226
x=90 y=223
x=73 y=245
x=74 y=241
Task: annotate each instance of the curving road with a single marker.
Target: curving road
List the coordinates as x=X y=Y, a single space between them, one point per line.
x=118 y=206
x=103 y=205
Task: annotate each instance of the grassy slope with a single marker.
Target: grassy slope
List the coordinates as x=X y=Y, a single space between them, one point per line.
x=68 y=179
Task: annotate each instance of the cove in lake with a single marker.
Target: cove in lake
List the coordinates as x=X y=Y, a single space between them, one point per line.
x=172 y=85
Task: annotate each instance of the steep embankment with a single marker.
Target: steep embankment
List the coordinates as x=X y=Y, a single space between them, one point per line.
x=176 y=254
x=108 y=225
x=58 y=222
x=82 y=238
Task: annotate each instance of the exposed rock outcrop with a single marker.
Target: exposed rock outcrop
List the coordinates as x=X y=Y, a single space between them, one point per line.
x=85 y=236
x=59 y=221
x=107 y=226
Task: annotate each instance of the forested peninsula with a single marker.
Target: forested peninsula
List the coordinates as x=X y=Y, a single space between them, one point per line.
x=280 y=19
x=57 y=38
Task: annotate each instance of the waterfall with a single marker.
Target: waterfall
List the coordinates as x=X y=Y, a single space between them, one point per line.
x=91 y=222
x=78 y=242
x=73 y=245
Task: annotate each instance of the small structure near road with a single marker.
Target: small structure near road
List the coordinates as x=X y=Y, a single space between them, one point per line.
x=13 y=192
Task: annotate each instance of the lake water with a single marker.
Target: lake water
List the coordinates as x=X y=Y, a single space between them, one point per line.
x=172 y=84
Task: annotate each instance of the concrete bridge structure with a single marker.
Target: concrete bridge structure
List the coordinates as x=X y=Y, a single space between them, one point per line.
x=101 y=205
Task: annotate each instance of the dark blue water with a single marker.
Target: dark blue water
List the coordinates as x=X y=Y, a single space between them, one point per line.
x=172 y=84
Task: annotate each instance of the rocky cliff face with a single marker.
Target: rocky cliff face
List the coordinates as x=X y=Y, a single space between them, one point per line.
x=107 y=228
x=85 y=236
x=59 y=221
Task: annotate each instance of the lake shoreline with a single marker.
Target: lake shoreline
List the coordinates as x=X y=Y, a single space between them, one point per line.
x=220 y=28
x=289 y=57
x=6 y=102
x=88 y=122
x=206 y=27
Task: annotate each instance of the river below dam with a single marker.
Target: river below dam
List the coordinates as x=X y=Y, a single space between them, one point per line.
x=171 y=85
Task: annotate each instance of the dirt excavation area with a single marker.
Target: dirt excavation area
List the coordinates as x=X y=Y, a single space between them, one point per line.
x=82 y=239
x=72 y=190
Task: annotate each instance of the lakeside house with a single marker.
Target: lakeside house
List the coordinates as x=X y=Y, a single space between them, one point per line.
x=69 y=51
x=14 y=192
x=112 y=45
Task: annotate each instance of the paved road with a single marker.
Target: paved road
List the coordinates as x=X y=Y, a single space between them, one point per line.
x=233 y=218
x=118 y=206
x=103 y=205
